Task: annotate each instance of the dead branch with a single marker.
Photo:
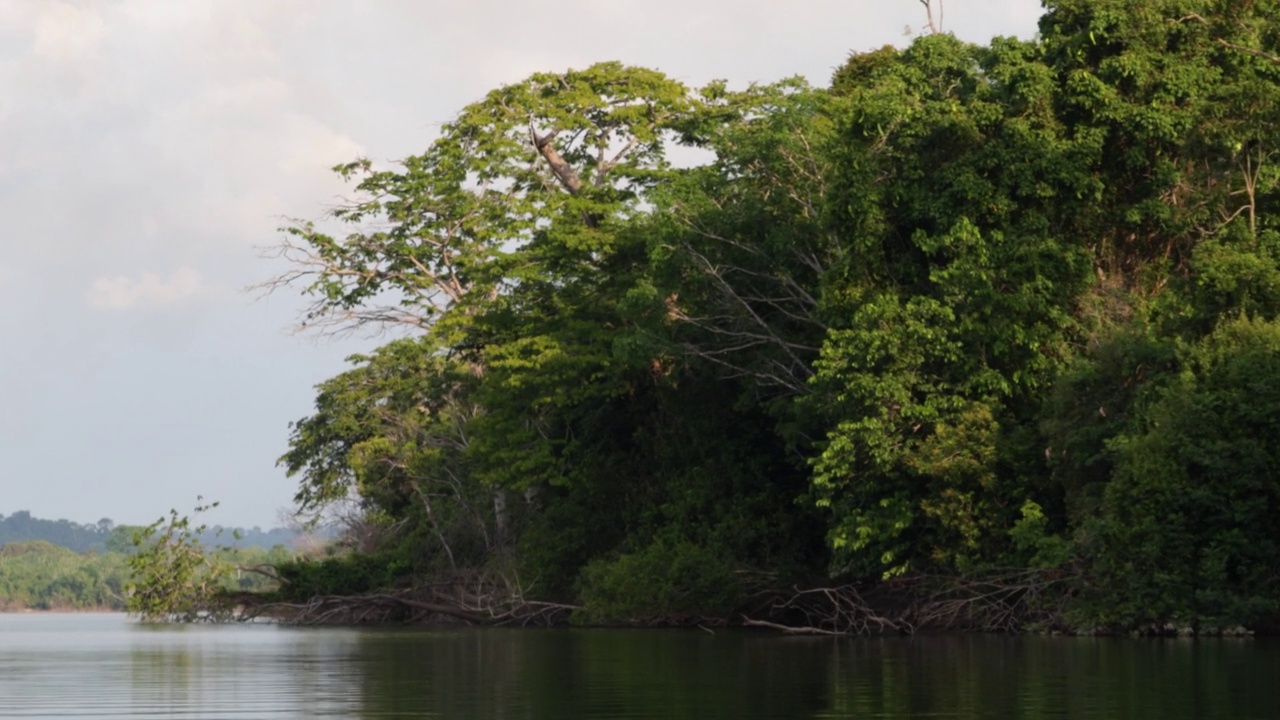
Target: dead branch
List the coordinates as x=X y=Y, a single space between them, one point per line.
x=935 y=26
x=996 y=600
x=1252 y=51
x=264 y=569
x=839 y=610
x=431 y=292
x=470 y=598
x=754 y=307
x=787 y=629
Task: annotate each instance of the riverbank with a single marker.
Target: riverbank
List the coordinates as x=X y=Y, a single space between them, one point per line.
x=1008 y=602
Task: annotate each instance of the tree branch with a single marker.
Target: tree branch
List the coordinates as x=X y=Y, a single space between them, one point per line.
x=564 y=173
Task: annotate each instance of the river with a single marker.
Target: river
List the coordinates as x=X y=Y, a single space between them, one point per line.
x=104 y=666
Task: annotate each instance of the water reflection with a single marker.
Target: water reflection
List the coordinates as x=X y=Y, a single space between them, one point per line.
x=593 y=674
x=87 y=666
x=1037 y=677
x=103 y=666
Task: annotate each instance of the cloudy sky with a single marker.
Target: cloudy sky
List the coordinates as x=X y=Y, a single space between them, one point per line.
x=149 y=148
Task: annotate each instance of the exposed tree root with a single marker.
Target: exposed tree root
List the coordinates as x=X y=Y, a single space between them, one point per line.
x=839 y=610
x=475 y=600
x=1009 y=600
x=998 y=600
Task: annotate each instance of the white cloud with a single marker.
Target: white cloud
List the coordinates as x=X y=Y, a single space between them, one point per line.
x=121 y=292
x=67 y=34
x=312 y=147
x=166 y=16
x=245 y=95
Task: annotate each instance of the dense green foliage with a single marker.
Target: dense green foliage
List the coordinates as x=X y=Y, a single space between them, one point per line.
x=174 y=576
x=42 y=576
x=971 y=307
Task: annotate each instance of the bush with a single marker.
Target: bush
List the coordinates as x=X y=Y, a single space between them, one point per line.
x=174 y=578
x=348 y=574
x=1187 y=533
x=668 y=582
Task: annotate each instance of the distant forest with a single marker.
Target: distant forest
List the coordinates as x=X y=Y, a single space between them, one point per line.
x=63 y=565
x=105 y=535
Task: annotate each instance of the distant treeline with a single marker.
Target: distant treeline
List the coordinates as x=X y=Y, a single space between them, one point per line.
x=105 y=535
x=42 y=576
x=39 y=575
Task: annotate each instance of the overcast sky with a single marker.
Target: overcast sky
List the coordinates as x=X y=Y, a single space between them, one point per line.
x=148 y=148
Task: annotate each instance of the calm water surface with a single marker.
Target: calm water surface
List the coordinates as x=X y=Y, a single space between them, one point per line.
x=103 y=666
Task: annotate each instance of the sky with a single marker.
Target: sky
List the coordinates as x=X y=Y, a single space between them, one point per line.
x=150 y=149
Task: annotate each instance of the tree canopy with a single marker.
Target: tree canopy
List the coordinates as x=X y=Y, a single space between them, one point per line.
x=970 y=308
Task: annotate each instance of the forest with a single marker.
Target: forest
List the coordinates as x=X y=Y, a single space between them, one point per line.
x=63 y=565
x=976 y=336
x=21 y=526
x=106 y=535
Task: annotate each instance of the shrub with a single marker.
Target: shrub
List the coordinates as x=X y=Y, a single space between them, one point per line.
x=666 y=582
x=1188 y=533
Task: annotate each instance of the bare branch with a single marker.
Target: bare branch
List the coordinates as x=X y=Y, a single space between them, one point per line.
x=1252 y=51
x=604 y=168
x=935 y=26
x=760 y=309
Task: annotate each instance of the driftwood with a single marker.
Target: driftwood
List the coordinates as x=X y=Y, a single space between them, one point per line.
x=838 y=610
x=477 y=599
x=1010 y=600
x=997 y=600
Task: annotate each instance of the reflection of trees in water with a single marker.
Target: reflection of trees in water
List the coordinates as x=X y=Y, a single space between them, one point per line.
x=464 y=673
x=693 y=674
x=592 y=673
x=271 y=673
x=562 y=674
x=675 y=674
x=974 y=676
x=162 y=677
x=322 y=672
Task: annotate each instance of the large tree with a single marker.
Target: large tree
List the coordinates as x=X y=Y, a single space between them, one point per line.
x=516 y=186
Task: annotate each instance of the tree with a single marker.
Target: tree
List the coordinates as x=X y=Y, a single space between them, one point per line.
x=174 y=578
x=952 y=311
x=507 y=208
x=970 y=304
x=1172 y=103
x=521 y=245
x=468 y=220
x=1187 y=533
x=393 y=434
x=737 y=248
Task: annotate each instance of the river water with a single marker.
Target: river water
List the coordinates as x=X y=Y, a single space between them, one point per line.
x=104 y=666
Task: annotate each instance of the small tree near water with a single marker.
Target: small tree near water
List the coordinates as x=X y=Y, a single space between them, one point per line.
x=174 y=578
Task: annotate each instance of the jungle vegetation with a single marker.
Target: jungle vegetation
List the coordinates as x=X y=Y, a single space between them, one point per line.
x=38 y=575
x=975 y=336
x=61 y=565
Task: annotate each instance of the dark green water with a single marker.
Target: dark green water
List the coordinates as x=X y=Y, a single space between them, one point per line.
x=102 y=666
